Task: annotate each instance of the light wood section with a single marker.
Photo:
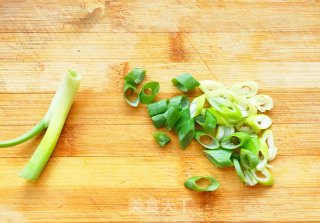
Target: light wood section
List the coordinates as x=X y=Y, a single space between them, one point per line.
x=106 y=162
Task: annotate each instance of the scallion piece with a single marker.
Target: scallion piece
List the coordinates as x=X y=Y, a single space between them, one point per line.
x=185 y=116
x=248 y=159
x=179 y=101
x=220 y=119
x=259 y=122
x=158 y=107
x=247 y=88
x=253 y=145
x=149 y=91
x=161 y=138
x=250 y=180
x=159 y=121
x=242 y=126
x=247 y=105
x=265 y=155
x=130 y=94
x=267 y=180
x=239 y=171
x=267 y=137
x=172 y=116
x=207 y=121
x=185 y=82
x=193 y=183
x=235 y=140
x=206 y=140
x=186 y=133
x=210 y=85
x=262 y=102
x=197 y=106
x=219 y=157
x=135 y=76
x=224 y=131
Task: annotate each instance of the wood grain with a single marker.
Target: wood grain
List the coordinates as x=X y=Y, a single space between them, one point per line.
x=106 y=165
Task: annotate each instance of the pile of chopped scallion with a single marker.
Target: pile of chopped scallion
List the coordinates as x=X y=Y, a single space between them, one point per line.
x=227 y=123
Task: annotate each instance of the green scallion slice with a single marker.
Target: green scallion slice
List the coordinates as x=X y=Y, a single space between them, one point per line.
x=158 y=107
x=193 y=183
x=238 y=168
x=159 y=121
x=253 y=145
x=196 y=106
x=135 y=76
x=248 y=160
x=267 y=180
x=172 y=116
x=259 y=122
x=224 y=131
x=235 y=140
x=149 y=91
x=219 y=157
x=130 y=94
x=185 y=82
x=185 y=116
x=186 y=133
x=161 y=138
x=210 y=85
x=206 y=140
x=179 y=101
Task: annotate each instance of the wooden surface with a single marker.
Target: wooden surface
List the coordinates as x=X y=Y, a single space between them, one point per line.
x=106 y=166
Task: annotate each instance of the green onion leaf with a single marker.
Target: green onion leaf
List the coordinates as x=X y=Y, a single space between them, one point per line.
x=206 y=140
x=267 y=180
x=248 y=159
x=235 y=140
x=135 y=76
x=158 y=107
x=149 y=91
x=210 y=85
x=179 y=101
x=185 y=116
x=186 y=133
x=247 y=88
x=130 y=94
x=238 y=170
x=219 y=157
x=172 y=116
x=159 y=121
x=161 y=138
x=259 y=122
x=185 y=82
x=192 y=183
x=197 y=106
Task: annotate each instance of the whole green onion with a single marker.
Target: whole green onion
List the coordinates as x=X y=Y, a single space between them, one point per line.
x=158 y=107
x=239 y=171
x=235 y=140
x=130 y=90
x=185 y=82
x=161 y=138
x=196 y=106
x=248 y=160
x=172 y=116
x=186 y=133
x=219 y=157
x=179 y=101
x=159 y=121
x=213 y=144
x=135 y=76
x=153 y=88
x=192 y=184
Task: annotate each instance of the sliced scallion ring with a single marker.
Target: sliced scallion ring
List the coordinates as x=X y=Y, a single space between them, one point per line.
x=135 y=76
x=130 y=94
x=210 y=85
x=219 y=157
x=267 y=180
x=158 y=107
x=235 y=140
x=172 y=116
x=248 y=159
x=250 y=180
x=262 y=102
x=149 y=91
x=193 y=183
x=179 y=101
x=267 y=136
x=220 y=119
x=221 y=93
x=206 y=140
x=247 y=105
x=196 y=106
x=186 y=133
x=253 y=145
x=159 y=121
x=185 y=82
x=239 y=171
x=185 y=116
x=259 y=122
x=242 y=126
x=207 y=121
x=247 y=88
x=224 y=131
x=264 y=155
x=161 y=138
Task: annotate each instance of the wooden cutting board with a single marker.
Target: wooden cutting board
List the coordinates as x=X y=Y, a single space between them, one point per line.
x=106 y=166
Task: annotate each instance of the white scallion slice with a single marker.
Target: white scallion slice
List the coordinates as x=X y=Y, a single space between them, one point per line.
x=210 y=85
x=262 y=102
x=247 y=88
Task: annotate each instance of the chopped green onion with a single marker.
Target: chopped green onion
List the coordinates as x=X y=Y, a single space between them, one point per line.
x=185 y=116
x=130 y=94
x=186 y=133
x=172 y=116
x=185 y=82
x=235 y=140
x=208 y=122
x=252 y=145
x=161 y=138
x=221 y=94
x=224 y=131
x=267 y=180
x=220 y=119
x=247 y=88
x=159 y=121
x=267 y=137
x=246 y=105
x=250 y=180
x=238 y=169
x=213 y=144
x=192 y=184
x=265 y=155
x=248 y=159
x=259 y=122
x=54 y=119
x=210 y=85
x=242 y=126
x=179 y=101
x=219 y=157
x=149 y=91
x=262 y=102
x=197 y=106
x=135 y=76
x=158 y=107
